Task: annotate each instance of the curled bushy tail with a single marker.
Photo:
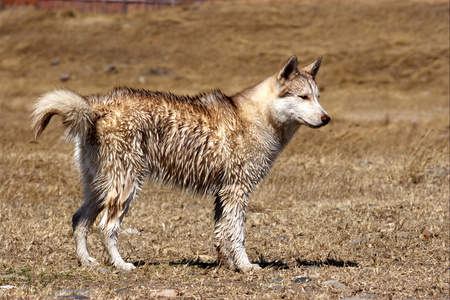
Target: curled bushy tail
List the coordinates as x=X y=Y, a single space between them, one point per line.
x=74 y=110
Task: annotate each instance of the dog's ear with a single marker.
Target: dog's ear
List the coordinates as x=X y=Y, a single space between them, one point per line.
x=288 y=71
x=313 y=68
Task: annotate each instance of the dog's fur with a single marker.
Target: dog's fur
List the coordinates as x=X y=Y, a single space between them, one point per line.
x=210 y=144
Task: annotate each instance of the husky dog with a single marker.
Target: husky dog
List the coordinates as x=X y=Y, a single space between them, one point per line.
x=211 y=144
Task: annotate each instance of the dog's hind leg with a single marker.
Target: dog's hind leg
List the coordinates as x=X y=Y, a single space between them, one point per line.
x=118 y=202
x=81 y=222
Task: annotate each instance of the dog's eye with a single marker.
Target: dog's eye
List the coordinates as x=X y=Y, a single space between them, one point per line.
x=304 y=97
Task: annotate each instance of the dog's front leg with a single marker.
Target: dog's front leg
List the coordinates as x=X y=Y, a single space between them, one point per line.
x=229 y=216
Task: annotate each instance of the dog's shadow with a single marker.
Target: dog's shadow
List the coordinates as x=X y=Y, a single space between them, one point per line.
x=195 y=262
x=279 y=265
x=327 y=262
x=184 y=262
x=262 y=262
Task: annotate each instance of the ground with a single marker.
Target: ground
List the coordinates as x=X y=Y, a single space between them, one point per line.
x=363 y=201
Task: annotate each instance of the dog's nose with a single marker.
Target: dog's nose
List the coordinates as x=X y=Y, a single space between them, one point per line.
x=325 y=119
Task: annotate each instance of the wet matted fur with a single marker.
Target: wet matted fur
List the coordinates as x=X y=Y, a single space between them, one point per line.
x=210 y=144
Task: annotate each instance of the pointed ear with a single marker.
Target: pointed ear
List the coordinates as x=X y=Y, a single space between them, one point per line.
x=288 y=71
x=313 y=68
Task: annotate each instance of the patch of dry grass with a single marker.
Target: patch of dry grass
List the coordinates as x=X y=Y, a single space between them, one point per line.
x=348 y=202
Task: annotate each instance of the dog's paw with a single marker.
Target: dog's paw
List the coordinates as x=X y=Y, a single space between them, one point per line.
x=250 y=268
x=125 y=266
x=89 y=262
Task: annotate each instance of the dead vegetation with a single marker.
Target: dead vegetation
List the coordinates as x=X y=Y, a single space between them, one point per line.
x=363 y=201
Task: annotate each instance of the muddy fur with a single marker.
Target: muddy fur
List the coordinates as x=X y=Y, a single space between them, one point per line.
x=210 y=144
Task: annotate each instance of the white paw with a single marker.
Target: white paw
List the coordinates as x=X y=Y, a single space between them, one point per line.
x=89 y=262
x=125 y=266
x=249 y=268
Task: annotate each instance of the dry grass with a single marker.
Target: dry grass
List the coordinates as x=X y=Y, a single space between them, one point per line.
x=348 y=202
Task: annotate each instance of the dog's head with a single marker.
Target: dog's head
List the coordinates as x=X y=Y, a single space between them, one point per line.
x=297 y=95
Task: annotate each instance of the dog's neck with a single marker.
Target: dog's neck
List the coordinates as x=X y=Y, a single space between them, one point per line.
x=253 y=105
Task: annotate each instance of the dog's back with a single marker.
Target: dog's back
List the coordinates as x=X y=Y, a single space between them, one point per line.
x=183 y=141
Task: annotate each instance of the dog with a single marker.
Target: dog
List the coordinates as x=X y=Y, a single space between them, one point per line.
x=210 y=144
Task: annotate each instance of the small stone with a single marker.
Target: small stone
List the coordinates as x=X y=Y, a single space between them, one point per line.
x=359 y=242
x=169 y=293
x=55 y=62
x=402 y=234
x=366 y=296
x=439 y=172
x=130 y=230
x=104 y=270
x=158 y=71
x=334 y=283
x=123 y=291
x=111 y=68
x=278 y=279
x=64 y=76
x=69 y=292
x=302 y=279
x=277 y=287
x=75 y=297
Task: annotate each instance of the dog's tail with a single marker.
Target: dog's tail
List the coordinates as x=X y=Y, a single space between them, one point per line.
x=74 y=110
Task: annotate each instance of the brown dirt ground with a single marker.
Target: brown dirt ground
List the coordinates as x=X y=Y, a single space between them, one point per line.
x=348 y=202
